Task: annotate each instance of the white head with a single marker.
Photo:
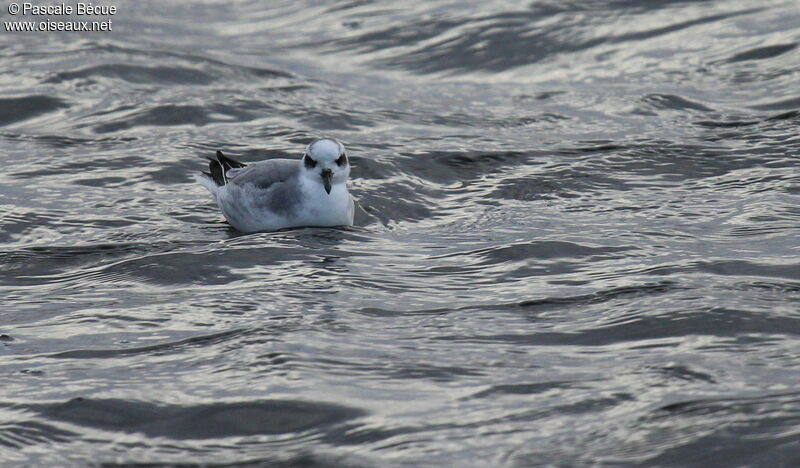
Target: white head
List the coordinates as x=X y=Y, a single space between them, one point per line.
x=326 y=163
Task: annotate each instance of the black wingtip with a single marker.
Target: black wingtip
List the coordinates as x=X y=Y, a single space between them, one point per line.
x=218 y=168
x=228 y=162
x=215 y=172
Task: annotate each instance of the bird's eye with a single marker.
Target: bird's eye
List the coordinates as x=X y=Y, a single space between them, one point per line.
x=342 y=160
x=310 y=163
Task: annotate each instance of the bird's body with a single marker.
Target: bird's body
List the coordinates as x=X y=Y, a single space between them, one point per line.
x=281 y=193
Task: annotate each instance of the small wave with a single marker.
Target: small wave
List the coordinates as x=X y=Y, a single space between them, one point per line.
x=762 y=53
x=137 y=75
x=201 y=421
x=161 y=348
x=22 y=108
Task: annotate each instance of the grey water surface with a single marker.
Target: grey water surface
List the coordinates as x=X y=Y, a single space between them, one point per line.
x=577 y=238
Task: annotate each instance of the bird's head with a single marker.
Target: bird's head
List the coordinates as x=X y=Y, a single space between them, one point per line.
x=325 y=161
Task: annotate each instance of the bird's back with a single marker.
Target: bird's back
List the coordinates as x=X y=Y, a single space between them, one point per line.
x=264 y=174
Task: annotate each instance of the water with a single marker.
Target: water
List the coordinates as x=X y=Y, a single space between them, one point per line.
x=576 y=241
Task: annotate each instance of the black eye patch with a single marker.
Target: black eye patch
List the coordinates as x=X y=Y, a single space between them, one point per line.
x=310 y=163
x=342 y=160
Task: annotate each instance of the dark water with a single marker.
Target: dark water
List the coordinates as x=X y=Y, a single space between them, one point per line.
x=577 y=241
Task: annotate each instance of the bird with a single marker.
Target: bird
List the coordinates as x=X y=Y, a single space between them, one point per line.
x=283 y=193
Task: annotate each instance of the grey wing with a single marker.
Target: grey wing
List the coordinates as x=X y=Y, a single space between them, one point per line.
x=265 y=174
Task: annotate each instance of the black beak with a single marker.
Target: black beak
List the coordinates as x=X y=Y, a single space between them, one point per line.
x=326 y=179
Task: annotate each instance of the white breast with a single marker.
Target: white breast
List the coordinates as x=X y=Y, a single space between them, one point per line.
x=322 y=209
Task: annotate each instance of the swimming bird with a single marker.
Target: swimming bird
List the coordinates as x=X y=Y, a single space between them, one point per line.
x=280 y=193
